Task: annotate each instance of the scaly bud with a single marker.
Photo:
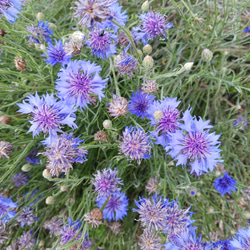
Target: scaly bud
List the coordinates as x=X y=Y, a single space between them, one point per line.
x=145 y=6
x=207 y=55
x=50 y=200
x=26 y=167
x=40 y=16
x=107 y=124
x=147 y=49
x=148 y=62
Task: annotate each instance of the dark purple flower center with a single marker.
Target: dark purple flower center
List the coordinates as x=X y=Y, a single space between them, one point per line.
x=80 y=84
x=113 y=203
x=168 y=122
x=47 y=118
x=100 y=41
x=195 y=145
x=141 y=105
x=58 y=54
x=3 y=209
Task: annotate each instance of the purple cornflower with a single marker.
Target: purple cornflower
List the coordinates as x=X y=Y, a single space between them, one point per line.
x=79 y=82
x=26 y=217
x=20 y=179
x=125 y=65
x=63 y=152
x=56 y=54
x=166 y=117
x=32 y=158
x=118 y=107
x=225 y=185
x=26 y=240
x=92 y=12
x=116 y=207
x=100 y=42
x=246 y=30
x=150 y=241
x=6 y=207
x=153 y=25
x=242 y=240
x=117 y=15
x=136 y=144
x=240 y=121
x=195 y=144
x=140 y=103
x=106 y=182
x=10 y=9
x=48 y=114
x=42 y=31
x=152 y=212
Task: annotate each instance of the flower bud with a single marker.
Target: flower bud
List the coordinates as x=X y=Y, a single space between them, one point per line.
x=42 y=47
x=20 y=63
x=210 y=210
x=223 y=69
x=148 y=62
x=52 y=26
x=41 y=243
x=26 y=167
x=50 y=200
x=46 y=174
x=63 y=188
x=40 y=16
x=145 y=6
x=140 y=52
x=107 y=124
x=207 y=55
x=188 y=65
x=77 y=37
x=158 y=115
x=147 y=49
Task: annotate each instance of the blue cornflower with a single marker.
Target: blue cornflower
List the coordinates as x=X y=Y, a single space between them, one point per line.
x=225 y=185
x=116 y=207
x=246 y=30
x=101 y=43
x=136 y=144
x=166 y=117
x=222 y=245
x=56 y=54
x=153 y=25
x=126 y=64
x=242 y=240
x=48 y=114
x=10 y=9
x=106 y=182
x=20 y=179
x=80 y=82
x=140 y=103
x=195 y=144
x=187 y=241
x=32 y=158
x=6 y=207
x=240 y=121
x=117 y=15
x=63 y=152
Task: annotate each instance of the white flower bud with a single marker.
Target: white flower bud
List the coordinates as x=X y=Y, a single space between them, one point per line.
x=46 y=174
x=147 y=49
x=63 y=188
x=188 y=65
x=107 y=124
x=42 y=47
x=50 y=200
x=145 y=6
x=26 y=167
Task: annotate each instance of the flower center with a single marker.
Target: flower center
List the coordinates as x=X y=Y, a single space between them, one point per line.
x=113 y=203
x=100 y=41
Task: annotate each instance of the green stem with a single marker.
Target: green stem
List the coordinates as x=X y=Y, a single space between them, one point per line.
x=115 y=79
x=188 y=8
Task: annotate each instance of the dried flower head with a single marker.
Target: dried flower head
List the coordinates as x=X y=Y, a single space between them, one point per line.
x=20 y=63
x=152 y=185
x=72 y=48
x=150 y=86
x=5 y=149
x=123 y=39
x=54 y=226
x=115 y=227
x=118 y=107
x=94 y=218
x=149 y=241
x=101 y=136
x=5 y=120
x=2 y=32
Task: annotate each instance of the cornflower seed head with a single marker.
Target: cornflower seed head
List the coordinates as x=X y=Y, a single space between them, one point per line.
x=26 y=217
x=147 y=49
x=10 y=9
x=116 y=207
x=92 y=12
x=150 y=86
x=80 y=82
x=101 y=43
x=5 y=149
x=123 y=39
x=20 y=63
x=118 y=107
x=20 y=179
x=94 y=218
x=63 y=152
x=101 y=136
x=195 y=145
x=152 y=185
x=106 y=182
x=150 y=241
x=126 y=65
x=136 y=144
x=72 y=48
x=5 y=120
x=225 y=185
x=140 y=103
x=48 y=114
x=115 y=227
x=207 y=55
x=27 y=241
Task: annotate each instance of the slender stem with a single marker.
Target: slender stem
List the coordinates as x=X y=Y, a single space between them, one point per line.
x=188 y=8
x=115 y=79
x=127 y=32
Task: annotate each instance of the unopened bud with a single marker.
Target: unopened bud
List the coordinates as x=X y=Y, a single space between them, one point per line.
x=63 y=188
x=147 y=49
x=210 y=210
x=52 y=26
x=41 y=243
x=217 y=173
x=107 y=124
x=223 y=69
x=50 y=200
x=46 y=174
x=145 y=6
x=207 y=55
x=188 y=65
x=20 y=63
x=40 y=16
x=26 y=167
x=148 y=62
x=246 y=214
x=77 y=37
x=158 y=115
x=140 y=52
x=42 y=47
